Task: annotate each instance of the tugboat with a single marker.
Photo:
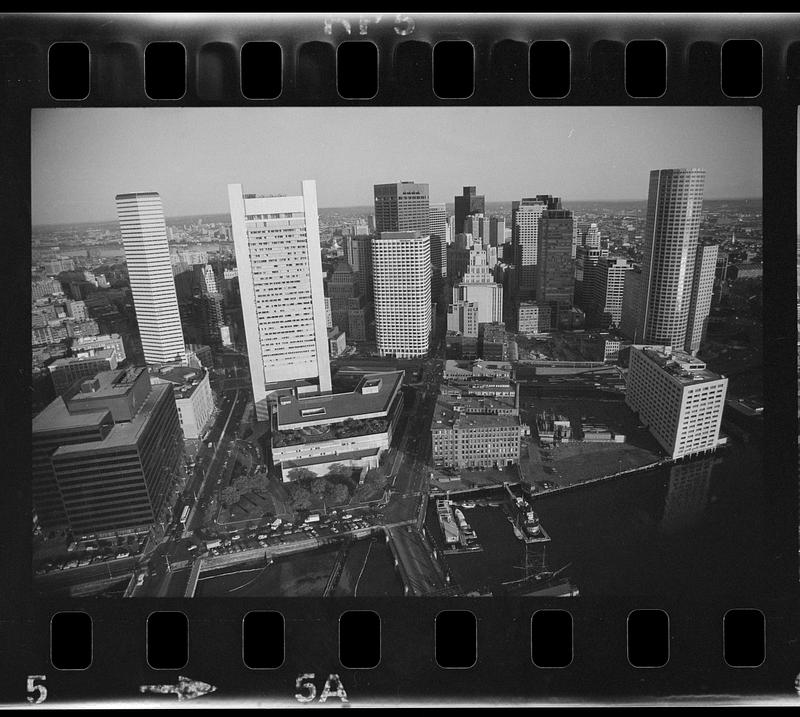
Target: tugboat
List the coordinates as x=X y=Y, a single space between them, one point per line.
x=531 y=524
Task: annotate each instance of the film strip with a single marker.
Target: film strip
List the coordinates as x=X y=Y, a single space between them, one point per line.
x=719 y=630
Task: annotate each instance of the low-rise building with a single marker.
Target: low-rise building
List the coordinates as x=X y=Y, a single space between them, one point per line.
x=466 y=440
x=65 y=371
x=193 y=397
x=337 y=341
x=312 y=433
x=677 y=398
x=533 y=318
x=553 y=427
x=466 y=370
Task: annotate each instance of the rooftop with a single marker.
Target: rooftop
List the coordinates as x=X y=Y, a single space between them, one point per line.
x=681 y=366
x=373 y=396
x=125 y=433
x=56 y=417
x=445 y=415
x=185 y=380
x=97 y=355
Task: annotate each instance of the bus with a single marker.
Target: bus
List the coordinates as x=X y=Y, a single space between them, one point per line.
x=184 y=515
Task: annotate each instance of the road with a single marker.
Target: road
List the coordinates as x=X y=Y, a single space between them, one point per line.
x=209 y=467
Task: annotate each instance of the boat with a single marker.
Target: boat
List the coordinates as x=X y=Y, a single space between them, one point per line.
x=469 y=504
x=517 y=532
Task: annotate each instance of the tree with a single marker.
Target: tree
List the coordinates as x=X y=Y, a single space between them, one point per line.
x=340 y=494
x=339 y=469
x=230 y=495
x=300 y=474
x=301 y=498
x=319 y=486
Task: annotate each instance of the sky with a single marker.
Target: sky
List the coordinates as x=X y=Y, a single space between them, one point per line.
x=82 y=157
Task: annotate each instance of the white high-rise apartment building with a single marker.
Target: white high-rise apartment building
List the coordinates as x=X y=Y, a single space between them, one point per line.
x=144 y=238
x=609 y=287
x=401 y=267
x=677 y=398
x=278 y=256
x=674 y=207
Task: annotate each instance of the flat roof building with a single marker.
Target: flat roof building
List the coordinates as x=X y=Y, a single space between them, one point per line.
x=276 y=240
x=194 y=399
x=402 y=280
x=144 y=237
x=355 y=428
x=466 y=440
x=677 y=398
x=106 y=454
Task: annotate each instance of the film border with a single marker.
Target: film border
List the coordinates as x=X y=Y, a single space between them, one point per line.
x=407 y=673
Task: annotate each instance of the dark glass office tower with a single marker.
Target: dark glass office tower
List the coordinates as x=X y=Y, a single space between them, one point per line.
x=468 y=203
x=401 y=207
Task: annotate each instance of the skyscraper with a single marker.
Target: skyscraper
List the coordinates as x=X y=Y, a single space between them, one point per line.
x=401 y=207
x=674 y=206
x=555 y=275
x=144 y=238
x=468 y=203
x=276 y=240
x=705 y=266
x=342 y=286
x=358 y=252
x=479 y=287
x=525 y=216
x=402 y=276
x=437 y=223
x=497 y=231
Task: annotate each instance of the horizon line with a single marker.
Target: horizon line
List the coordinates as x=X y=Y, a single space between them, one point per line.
x=349 y=206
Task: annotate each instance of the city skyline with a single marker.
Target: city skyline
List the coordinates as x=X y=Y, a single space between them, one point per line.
x=175 y=151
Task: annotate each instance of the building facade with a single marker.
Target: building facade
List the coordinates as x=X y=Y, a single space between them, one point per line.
x=437 y=223
x=310 y=434
x=277 y=246
x=479 y=287
x=674 y=208
x=677 y=398
x=525 y=216
x=402 y=207
x=144 y=238
x=702 y=290
x=533 y=318
x=469 y=202
x=194 y=399
x=65 y=371
x=402 y=280
x=468 y=440
x=555 y=274
x=358 y=252
x=107 y=453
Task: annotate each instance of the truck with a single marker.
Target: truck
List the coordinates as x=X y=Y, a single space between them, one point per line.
x=313 y=518
x=213 y=544
x=276 y=523
x=184 y=515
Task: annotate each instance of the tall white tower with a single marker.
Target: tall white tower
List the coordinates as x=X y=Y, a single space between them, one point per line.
x=144 y=238
x=401 y=267
x=278 y=257
x=674 y=206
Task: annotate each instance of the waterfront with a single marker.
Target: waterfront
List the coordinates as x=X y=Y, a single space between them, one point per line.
x=692 y=528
